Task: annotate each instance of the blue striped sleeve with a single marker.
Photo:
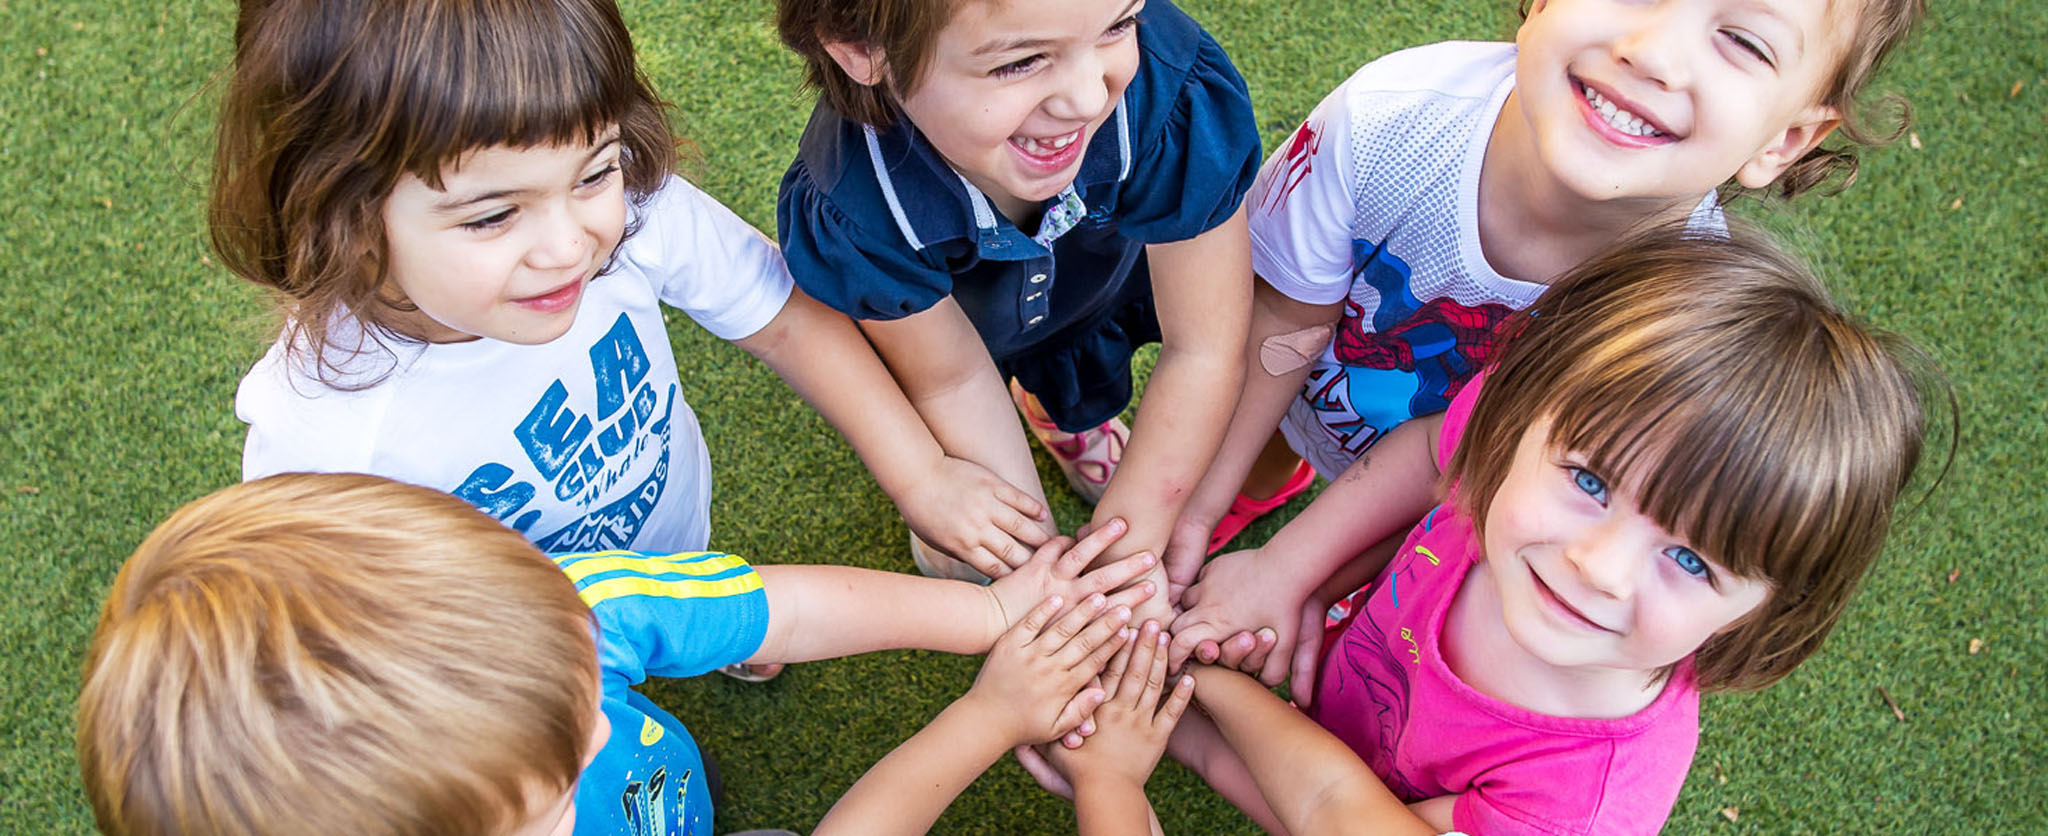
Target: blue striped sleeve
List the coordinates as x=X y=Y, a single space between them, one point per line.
x=670 y=615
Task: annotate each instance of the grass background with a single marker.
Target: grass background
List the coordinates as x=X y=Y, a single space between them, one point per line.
x=121 y=342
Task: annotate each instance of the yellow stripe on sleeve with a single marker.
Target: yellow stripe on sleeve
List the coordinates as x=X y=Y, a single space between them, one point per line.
x=606 y=590
x=715 y=563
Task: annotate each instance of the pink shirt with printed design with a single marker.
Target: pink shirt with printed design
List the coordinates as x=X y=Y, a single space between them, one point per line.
x=1387 y=692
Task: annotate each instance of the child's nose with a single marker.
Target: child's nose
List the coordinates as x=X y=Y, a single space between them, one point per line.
x=559 y=243
x=1083 y=91
x=1652 y=48
x=1606 y=557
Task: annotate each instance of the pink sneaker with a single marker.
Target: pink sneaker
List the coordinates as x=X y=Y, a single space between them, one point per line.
x=1244 y=509
x=1088 y=458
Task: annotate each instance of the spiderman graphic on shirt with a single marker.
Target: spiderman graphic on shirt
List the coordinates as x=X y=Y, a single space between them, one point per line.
x=1407 y=357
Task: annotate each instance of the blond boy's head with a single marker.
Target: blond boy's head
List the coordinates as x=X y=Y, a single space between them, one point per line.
x=334 y=653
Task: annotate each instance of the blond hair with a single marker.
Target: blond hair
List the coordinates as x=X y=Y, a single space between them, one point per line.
x=333 y=653
x=1766 y=426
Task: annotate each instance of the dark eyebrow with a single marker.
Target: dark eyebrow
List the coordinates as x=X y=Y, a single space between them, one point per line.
x=455 y=203
x=1020 y=44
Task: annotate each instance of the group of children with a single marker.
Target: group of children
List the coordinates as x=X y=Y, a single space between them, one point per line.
x=1592 y=447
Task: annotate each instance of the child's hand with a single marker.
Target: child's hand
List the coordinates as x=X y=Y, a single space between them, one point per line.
x=1057 y=570
x=1243 y=614
x=1186 y=549
x=1136 y=717
x=966 y=511
x=1039 y=680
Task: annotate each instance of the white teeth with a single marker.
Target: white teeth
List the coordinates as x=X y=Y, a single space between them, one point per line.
x=1620 y=119
x=1037 y=146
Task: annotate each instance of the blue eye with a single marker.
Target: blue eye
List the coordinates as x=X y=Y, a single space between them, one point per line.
x=1593 y=485
x=1688 y=560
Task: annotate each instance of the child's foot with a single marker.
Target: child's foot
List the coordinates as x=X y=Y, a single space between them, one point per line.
x=1244 y=509
x=1088 y=458
x=933 y=563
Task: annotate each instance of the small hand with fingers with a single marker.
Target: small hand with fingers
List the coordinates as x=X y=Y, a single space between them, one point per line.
x=1039 y=679
x=968 y=512
x=1060 y=568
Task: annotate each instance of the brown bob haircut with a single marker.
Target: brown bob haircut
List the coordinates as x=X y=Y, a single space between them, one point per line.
x=905 y=32
x=334 y=653
x=1762 y=424
x=331 y=102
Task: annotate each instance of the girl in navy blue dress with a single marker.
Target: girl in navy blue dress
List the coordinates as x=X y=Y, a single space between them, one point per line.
x=989 y=189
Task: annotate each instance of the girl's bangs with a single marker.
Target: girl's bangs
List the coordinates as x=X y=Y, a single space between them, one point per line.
x=516 y=74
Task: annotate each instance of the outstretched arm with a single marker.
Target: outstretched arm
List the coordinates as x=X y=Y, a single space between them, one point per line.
x=1313 y=783
x=1139 y=712
x=1202 y=288
x=1378 y=497
x=823 y=611
x=1035 y=686
x=958 y=503
x=1272 y=375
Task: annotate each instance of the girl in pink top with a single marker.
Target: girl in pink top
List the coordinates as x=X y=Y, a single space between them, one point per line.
x=1671 y=482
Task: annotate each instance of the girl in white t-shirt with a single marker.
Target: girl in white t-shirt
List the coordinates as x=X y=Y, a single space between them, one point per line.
x=1441 y=187
x=468 y=215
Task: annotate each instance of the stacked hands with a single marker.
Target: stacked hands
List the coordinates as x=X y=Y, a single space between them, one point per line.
x=1242 y=610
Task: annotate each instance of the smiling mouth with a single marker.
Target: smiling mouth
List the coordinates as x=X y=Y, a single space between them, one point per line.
x=1045 y=147
x=1622 y=120
x=1558 y=602
x=554 y=300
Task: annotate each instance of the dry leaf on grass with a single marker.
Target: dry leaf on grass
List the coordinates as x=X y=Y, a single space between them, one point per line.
x=1730 y=813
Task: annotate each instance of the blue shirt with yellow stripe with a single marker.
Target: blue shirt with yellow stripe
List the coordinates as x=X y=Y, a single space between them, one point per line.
x=659 y=615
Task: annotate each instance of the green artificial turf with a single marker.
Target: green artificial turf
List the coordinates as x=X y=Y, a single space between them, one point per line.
x=123 y=340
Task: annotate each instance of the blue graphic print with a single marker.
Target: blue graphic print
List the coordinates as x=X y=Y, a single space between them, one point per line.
x=582 y=457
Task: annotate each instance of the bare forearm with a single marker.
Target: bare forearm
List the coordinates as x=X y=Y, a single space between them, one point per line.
x=822 y=356
x=1199 y=746
x=1377 y=497
x=1311 y=780
x=1111 y=808
x=945 y=372
x=1297 y=330
x=824 y=612
x=1181 y=419
x=908 y=789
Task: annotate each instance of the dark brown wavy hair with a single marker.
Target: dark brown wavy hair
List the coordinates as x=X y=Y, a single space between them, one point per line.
x=331 y=102
x=1766 y=426
x=904 y=31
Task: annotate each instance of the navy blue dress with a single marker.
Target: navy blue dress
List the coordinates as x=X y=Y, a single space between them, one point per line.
x=875 y=224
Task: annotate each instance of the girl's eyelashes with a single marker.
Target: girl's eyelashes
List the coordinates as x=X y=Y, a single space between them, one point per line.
x=1691 y=562
x=1017 y=67
x=599 y=176
x=1122 y=28
x=1588 y=483
x=491 y=221
x=1750 y=44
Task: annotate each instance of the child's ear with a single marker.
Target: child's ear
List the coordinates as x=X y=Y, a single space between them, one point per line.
x=860 y=62
x=1804 y=134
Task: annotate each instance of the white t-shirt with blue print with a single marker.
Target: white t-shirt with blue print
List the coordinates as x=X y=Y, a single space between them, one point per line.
x=584 y=443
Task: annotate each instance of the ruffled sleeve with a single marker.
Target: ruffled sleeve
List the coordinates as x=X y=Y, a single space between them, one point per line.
x=1196 y=143
x=862 y=268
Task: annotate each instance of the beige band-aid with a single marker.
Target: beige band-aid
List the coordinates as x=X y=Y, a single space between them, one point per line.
x=1283 y=353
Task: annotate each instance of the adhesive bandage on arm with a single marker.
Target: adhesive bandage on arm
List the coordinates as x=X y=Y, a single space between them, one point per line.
x=1283 y=353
